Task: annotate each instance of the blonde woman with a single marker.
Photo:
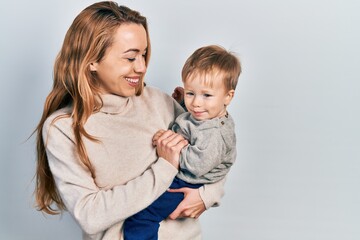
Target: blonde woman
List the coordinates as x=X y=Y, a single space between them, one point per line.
x=95 y=157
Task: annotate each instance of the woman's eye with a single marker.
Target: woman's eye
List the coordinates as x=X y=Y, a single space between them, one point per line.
x=207 y=95
x=131 y=59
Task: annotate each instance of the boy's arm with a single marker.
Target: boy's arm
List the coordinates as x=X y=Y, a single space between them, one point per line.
x=203 y=155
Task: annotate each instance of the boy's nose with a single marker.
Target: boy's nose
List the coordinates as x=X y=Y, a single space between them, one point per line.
x=196 y=102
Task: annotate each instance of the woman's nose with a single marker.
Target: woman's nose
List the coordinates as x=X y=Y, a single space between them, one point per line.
x=140 y=65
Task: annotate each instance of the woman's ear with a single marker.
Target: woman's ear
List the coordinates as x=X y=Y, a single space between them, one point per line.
x=229 y=96
x=93 y=67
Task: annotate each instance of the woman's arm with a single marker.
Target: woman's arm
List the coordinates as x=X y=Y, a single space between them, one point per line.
x=212 y=193
x=93 y=208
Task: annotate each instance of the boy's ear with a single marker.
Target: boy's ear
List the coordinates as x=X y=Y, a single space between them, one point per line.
x=229 y=96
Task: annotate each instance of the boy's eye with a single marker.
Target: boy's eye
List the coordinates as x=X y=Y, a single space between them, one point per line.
x=207 y=95
x=189 y=94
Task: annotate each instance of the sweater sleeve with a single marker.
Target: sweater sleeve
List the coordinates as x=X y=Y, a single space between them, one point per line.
x=203 y=155
x=93 y=208
x=211 y=194
x=200 y=161
x=178 y=109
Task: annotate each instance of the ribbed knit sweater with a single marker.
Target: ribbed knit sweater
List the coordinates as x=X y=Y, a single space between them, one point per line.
x=211 y=150
x=129 y=175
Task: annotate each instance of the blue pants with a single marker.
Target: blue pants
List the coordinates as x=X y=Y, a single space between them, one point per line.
x=144 y=225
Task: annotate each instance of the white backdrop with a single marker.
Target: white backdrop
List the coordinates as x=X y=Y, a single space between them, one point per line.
x=297 y=174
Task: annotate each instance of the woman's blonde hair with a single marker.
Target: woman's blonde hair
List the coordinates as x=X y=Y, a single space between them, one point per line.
x=86 y=41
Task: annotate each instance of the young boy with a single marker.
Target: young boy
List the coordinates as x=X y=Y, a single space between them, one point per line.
x=210 y=76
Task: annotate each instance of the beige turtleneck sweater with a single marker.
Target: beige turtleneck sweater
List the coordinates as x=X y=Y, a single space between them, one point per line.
x=129 y=175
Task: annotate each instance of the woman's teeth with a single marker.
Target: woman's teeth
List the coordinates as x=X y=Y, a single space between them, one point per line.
x=132 y=80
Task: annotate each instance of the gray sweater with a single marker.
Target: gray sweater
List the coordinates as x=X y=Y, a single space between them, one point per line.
x=211 y=150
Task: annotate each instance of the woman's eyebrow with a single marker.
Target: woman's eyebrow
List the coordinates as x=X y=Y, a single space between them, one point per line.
x=134 y=50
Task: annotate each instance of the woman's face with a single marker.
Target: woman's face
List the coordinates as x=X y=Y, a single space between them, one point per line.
x=123 y=65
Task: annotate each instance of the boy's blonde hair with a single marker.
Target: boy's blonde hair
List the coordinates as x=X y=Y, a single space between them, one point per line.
x=213 y=60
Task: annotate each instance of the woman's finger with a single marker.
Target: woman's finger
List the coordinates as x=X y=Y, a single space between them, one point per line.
x=191 y=206
x=157 y=135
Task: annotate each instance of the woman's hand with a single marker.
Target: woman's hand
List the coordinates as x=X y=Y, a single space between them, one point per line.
x=178 y=94
x=168 y=146
x=156 y=136
x=192 y=205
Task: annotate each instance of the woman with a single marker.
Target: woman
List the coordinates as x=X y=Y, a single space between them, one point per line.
x=94 y=150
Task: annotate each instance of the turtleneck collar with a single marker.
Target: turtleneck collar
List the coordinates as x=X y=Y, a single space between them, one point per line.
x=113 y=104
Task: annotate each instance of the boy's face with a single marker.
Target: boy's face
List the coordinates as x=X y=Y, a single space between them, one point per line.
x=204 y=101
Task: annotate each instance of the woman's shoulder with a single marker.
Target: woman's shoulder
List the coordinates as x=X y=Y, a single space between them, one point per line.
x=161 y=102
x=60 y=117
x=154 y=92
